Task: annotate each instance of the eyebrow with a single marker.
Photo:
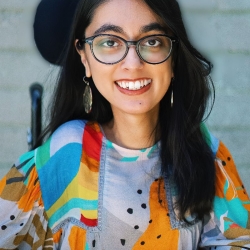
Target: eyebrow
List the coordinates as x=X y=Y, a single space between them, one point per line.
x=109 y=27
x=151 y=27
x=118 y=29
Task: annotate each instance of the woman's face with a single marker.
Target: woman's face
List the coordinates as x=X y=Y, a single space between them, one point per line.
x=129 y=20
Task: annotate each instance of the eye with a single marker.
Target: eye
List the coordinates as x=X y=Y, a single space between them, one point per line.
x=110 y=43
x=152 y=42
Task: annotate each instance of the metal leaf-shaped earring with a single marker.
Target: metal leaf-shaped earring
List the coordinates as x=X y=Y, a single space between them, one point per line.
x=87 y=97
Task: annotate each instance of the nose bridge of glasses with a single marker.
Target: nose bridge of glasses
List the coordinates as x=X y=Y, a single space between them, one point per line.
x=131 y=43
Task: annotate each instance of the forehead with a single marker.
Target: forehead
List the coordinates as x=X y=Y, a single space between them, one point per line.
x=130 y=15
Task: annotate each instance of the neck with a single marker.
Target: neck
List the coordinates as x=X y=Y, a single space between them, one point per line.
x=133 y=131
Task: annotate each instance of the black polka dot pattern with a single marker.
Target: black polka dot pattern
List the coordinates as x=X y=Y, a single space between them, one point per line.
x=3 y=227
x=93 y=243
x=130 y=210
x=135 y=210
x=223 y=163
x=12 y=217
x=123 y=242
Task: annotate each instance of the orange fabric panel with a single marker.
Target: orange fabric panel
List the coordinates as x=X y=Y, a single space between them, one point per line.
x=77 y=238
x=226 y=174
x=159 y=229
x=26 y=203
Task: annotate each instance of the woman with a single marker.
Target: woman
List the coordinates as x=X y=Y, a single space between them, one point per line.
x=129 y=164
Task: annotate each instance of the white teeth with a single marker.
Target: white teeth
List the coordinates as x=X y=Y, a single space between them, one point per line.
x=134 y=85
x=137 y=84
x=131 y=86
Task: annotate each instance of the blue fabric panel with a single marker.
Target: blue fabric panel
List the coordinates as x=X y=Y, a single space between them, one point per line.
x=58 y=172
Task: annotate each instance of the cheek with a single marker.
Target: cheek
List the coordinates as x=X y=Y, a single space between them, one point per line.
x=102 y=82
x=165 y=74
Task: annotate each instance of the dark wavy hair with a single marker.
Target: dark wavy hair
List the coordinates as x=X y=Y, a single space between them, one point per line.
x=185 y=154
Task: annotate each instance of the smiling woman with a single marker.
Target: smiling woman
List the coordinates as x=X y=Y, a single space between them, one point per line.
x=128 y=163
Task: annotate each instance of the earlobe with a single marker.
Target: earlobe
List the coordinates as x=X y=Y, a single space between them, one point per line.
x=80 y=50
x=85 y=63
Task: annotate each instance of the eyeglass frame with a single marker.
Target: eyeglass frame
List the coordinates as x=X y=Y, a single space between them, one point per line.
x=89 y=40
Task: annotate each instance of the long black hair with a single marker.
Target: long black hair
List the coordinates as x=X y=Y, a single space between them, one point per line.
x=185 y=154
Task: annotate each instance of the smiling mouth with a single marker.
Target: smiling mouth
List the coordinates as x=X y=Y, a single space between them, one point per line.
x=133 y=85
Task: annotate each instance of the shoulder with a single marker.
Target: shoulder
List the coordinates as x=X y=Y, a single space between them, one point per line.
x=70 y=138
x=230 y=193
x=68 y=133
x=221 y=153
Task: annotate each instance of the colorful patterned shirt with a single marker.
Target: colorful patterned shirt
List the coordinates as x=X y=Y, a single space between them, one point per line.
x=80 y=191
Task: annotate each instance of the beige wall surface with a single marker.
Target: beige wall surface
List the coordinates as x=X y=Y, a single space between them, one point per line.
x=219 y=29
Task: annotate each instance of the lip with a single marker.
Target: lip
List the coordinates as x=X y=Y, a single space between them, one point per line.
x=127 y=91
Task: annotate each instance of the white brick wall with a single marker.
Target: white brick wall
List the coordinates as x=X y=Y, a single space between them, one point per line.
x=20 y=66
x=220 y=29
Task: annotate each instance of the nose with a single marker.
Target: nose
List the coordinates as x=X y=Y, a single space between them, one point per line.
x=132 y=60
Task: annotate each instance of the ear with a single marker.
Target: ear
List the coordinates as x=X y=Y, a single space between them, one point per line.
x=80 y=50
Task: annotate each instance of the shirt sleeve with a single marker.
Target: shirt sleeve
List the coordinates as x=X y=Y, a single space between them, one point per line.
x=23 y=221
x=228 y=226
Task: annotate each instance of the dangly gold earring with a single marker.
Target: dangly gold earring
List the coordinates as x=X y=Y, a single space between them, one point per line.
x=87 y=97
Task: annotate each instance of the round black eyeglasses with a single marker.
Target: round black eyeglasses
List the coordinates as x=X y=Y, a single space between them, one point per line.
x=111 y=49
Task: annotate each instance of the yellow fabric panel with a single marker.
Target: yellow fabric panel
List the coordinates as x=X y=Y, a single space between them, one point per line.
x=67 y=194
x=87 y=194
x=87 y=178
x=90 y=214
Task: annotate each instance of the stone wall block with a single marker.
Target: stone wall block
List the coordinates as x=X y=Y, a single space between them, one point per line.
x=16 y=30
x=231 y=73
x=232 y=5
x=232 y=32
x=230 y=112
x=20 y=69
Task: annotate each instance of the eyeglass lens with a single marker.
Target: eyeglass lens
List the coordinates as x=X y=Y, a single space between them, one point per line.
x=111 y=49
